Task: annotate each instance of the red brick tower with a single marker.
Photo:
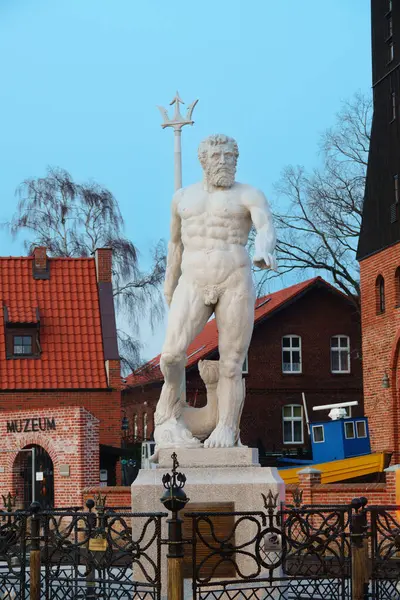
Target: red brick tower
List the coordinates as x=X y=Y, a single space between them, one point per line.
x=379 y=245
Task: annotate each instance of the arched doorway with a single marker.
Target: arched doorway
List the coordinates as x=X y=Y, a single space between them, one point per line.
x=43 y=479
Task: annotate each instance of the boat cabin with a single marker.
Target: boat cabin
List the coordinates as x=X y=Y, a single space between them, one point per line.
x=338 y=439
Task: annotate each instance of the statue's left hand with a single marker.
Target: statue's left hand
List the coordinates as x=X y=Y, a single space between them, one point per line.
x=268 y=261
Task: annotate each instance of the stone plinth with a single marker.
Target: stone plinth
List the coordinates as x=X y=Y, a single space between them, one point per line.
x=212 y=475
x=210 y=457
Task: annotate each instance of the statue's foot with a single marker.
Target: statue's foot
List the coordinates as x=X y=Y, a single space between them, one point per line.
x=222 y=437
x=174 y=434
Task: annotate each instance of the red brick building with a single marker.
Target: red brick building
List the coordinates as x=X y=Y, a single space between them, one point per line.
x=306 y=339
x=379 y=244
x=59 y=376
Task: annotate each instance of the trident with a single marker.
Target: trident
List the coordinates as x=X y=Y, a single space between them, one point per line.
x=177 y=122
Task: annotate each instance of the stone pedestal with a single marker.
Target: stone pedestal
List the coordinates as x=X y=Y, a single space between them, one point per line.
x=212 y=475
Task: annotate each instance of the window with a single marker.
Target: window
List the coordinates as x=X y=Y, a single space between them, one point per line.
x=397 y=286
x=245 y=368
x=349 y=430
x=145 y=426
x=390 y=26
x=293 y=424
x=291 y=354
x=318 y=434
x=340 y=354
x=348 y=411
x=380 y=295
x=361 y=429
x=394 y=208
x=391 y=51
x=22 y=344
x=135 y=427
x=393 y=118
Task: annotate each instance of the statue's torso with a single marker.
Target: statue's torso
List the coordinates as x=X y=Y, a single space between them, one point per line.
x=214 y=228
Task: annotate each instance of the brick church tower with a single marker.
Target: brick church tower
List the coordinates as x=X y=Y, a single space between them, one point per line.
x=379 y=244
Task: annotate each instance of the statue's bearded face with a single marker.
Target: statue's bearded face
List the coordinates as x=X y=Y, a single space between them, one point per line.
x=220 y=166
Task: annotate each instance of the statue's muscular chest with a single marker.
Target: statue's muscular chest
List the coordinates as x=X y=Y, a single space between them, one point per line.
x=208 y=208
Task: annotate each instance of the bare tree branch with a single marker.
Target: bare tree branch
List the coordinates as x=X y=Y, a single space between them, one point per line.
x=73 y=219
x=319 y=228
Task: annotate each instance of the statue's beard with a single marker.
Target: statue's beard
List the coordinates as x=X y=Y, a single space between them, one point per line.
x=223 y=177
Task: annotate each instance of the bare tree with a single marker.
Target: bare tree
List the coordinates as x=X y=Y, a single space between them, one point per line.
x=73 y=219
x=319 y=228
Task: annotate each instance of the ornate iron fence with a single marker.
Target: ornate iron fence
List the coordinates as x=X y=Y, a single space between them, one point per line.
x=275 y=554
x=384 y=552
x=14 y=548
x=81 y=555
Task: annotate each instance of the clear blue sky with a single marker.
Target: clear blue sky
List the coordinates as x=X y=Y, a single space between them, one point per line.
x=80 y=80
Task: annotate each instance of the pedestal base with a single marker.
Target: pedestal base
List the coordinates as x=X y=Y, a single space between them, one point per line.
x=214 y=475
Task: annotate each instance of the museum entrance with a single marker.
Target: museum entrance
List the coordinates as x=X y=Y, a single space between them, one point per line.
x=40 y=475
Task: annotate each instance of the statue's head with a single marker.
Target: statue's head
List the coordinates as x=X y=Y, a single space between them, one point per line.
x=218 y=156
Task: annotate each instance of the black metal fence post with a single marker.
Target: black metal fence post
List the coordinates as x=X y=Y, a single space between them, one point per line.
x=174 y=500
x=359 y=550
x=90 y=568
x=34 y=559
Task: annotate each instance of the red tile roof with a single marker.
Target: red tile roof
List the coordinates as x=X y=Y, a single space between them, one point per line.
x=22 y=314
x=70 y=328
x=207 y=341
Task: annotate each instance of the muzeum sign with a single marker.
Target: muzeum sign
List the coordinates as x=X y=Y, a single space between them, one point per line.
x=31 y=425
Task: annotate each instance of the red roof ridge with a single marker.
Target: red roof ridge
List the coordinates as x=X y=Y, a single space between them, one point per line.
x=50 y=258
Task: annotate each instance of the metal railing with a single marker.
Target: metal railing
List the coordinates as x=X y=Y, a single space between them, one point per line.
x=281 y=552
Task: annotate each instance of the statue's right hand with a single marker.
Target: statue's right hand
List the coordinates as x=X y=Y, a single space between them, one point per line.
x=168 y=298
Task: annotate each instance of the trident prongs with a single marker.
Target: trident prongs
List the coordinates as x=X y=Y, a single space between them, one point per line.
x=177 y=121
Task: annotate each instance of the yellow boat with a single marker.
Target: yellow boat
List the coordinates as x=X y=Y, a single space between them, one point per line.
x=340 y=470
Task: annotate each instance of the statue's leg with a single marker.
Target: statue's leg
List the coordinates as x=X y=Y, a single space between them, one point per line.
x=187 y=316
x=235 y=320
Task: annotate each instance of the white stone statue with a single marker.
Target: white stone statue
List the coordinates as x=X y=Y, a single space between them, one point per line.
x=209 y=271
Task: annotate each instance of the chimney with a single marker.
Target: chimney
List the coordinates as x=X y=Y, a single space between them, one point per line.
x=103 y=259
x=41 y=265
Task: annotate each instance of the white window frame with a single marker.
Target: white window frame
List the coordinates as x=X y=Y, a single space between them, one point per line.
x=245 y=368
x=361 y=437
x=348 y=410
x=135 y=426
x=323 y=434
x=292 y=349
x=292 y=420
x=345 y=425
x=340 y=349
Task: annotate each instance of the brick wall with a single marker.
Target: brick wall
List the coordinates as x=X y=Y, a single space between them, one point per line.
x=115 y=496
x=316 y=317
x=314 y=492
x=74 y=442
x=381 y=340
x=103 y=404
